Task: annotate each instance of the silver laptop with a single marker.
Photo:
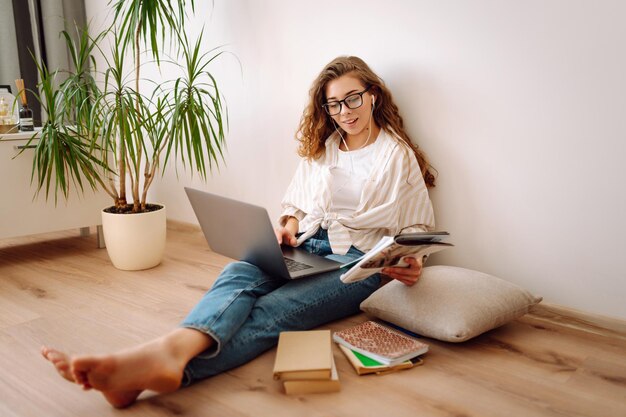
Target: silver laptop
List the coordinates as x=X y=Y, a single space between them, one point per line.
x=244 y=231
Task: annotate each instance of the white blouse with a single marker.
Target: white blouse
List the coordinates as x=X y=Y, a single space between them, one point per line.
x=394 y=197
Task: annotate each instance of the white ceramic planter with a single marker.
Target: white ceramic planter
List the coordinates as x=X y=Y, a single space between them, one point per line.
x=135 y=241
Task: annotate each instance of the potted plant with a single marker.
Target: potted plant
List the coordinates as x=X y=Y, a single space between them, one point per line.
x=108 y=133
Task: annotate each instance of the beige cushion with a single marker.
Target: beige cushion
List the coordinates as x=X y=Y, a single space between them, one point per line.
x=450 y=303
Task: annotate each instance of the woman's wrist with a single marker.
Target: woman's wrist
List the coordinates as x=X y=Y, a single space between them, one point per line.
x=292 y=225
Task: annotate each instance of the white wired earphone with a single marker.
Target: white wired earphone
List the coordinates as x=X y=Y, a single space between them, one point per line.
x=370 y=128
x=368 y=135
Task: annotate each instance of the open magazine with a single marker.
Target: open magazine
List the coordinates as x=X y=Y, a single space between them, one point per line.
x=391 y=251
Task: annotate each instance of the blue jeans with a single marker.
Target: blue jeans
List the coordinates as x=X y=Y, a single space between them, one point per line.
x=246 y=309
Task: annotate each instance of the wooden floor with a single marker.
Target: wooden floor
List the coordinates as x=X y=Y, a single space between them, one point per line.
x=58 y=289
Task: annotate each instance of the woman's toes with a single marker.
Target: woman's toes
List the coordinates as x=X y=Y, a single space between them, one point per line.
x=60 y=361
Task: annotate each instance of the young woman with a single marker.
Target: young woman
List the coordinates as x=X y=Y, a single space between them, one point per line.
x=360 y=178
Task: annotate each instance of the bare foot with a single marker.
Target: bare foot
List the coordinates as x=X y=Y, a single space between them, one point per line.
x=157 y=366
x=151 y=366
x=62 y=361
x=122 y=376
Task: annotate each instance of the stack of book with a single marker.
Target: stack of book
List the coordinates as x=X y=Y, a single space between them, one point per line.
x=305 y=364
x=372 y=347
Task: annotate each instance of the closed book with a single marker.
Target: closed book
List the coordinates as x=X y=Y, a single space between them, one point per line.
x=313 y=386
x=381 y=343
x=303 y=355
x=364 y=365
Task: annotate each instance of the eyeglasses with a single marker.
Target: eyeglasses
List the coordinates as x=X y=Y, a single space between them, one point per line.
x=353 y=101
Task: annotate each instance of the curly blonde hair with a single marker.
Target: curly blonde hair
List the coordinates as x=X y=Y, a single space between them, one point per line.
x=316 y=126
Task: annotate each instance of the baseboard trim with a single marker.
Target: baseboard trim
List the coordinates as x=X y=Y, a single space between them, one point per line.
x=580 y=320
x=183 y=226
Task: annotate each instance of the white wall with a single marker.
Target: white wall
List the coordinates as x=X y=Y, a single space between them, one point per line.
x=520 y=105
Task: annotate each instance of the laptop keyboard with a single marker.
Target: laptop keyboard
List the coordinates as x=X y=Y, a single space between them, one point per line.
x=293 y=266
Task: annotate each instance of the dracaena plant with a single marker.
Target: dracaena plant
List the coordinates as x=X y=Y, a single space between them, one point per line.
x=111 y=133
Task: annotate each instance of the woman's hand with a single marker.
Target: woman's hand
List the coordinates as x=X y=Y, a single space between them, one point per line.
x=406 y=275
x=285 y=237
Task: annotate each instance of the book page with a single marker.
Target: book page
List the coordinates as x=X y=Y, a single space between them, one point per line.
x=391 y=255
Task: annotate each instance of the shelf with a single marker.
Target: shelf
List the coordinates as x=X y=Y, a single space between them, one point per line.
x=19 y=135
